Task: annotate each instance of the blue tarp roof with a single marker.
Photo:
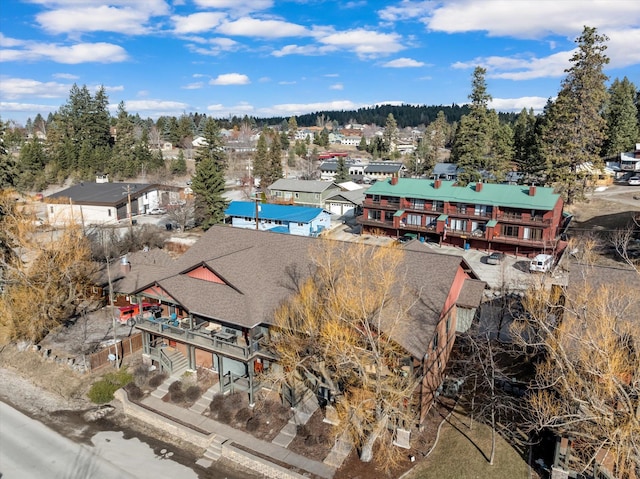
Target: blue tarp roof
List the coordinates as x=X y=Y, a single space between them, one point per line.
x=299 y=214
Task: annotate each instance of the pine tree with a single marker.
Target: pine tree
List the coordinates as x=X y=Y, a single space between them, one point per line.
x=622 y=119
x=575 y=129
x=209 y=180
x=342 y=171
x=124 y=156
x=8 y=173
x=261 y=157
x=274 y=165
x=472 y=141
x=178 y=165
x=390 y=134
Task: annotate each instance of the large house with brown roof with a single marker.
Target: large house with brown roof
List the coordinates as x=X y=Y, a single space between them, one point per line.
x=218 y=302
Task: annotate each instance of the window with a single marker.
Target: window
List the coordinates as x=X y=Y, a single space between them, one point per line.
x=462 y=209
x=534 y=234
x=51 y=209
x=296 y=195
x=374 y=215
x=415 y=220
x=448 y=324
x=108 y=211
x=376 y=198
x=458 y=225
x=434 y=344
x=278 y=193
x=317 y=196
x=431 y=221
x=437 y=206
x=417 y=204
x=483 y=210
x=510 y=230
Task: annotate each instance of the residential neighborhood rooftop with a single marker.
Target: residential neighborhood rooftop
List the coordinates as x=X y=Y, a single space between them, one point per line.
x=268 y=211
x=101 y=193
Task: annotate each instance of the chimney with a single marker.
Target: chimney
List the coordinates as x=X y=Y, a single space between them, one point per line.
x=394 y=180
x=437 y=183
x=532 y=190
x=478 y=186
x=125 y=266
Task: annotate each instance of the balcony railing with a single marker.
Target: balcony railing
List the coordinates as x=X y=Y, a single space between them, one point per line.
x=524 y=219
x=215 y=340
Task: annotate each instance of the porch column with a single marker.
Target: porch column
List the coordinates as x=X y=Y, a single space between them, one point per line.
x=145 y=343
x=220 y=375
x=191 y=356
x=250 y=367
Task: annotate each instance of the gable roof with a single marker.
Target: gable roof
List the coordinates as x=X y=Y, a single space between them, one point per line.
x=305 y=186
x=490 y=194
x=269 y=211
x=262 y=269
x=103 y=194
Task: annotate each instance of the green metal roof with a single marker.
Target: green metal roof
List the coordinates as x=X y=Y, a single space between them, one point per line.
x=516 y=196
x=492 y=223
x=442 y=217
x=399 y=213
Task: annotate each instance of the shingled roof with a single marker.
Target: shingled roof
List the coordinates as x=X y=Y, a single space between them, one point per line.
x=259 y=270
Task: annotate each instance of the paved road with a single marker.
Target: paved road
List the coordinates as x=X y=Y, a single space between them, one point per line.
x=29 y=449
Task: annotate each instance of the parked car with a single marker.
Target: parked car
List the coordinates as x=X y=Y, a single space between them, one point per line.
x=496 y=258
x=407 y=237
x=157 y=211
x=634 y=181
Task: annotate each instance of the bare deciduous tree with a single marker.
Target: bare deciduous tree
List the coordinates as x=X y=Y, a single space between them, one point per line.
x=335 y=334
x=588 y=382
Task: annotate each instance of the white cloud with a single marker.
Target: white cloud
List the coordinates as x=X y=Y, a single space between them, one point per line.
x=301 y=108
x=517 y=104
x=65 y=76
x=519 y=68
x=214 y=46
x=236 y=5
x=406 y=10
x=253 y=27
x=129 y=21
x=15 y=88
x=221 y=110
x=291 y=82
x=365 y=43
x=154 y=108
x=403 y=63
x=623 y=48
x=193 y=86
x=197 y=22
x=531 y=18
x=230 y=79
x=302 y=50
x=336 y=86
x=78 y=53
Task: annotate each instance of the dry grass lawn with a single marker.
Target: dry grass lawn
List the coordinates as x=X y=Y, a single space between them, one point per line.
x=463 y=453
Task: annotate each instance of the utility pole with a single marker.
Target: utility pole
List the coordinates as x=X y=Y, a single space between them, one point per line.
x=257 y=200
x=128 y=189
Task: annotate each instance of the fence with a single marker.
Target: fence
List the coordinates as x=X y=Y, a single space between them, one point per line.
x=121 y=349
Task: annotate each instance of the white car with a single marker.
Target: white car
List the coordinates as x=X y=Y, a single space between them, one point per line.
x=634 y=181
x=157 y=211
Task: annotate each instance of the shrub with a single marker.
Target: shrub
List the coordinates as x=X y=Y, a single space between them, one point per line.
x=243 y=415
x=303 y=431
x=253 y=424
x=157 y=380
x=134 y=391
x=177 y=396
x=217 y=403
x=192 y=393
x=101 y=391
x=175 y=386
x=224 y=415
x=140 y=374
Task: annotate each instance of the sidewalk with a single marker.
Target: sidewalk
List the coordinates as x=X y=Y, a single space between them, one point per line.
x=222 y=437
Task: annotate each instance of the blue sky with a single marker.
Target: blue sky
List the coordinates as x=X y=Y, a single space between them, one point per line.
x=289 y=57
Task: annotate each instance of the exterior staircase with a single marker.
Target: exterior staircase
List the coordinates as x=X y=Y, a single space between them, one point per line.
x=179 y=365
x=213 y=452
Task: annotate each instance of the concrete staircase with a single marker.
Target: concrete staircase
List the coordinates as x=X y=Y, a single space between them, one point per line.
x=213 y=452
x=301 y=415
x=180 y=365
x=202 y=404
